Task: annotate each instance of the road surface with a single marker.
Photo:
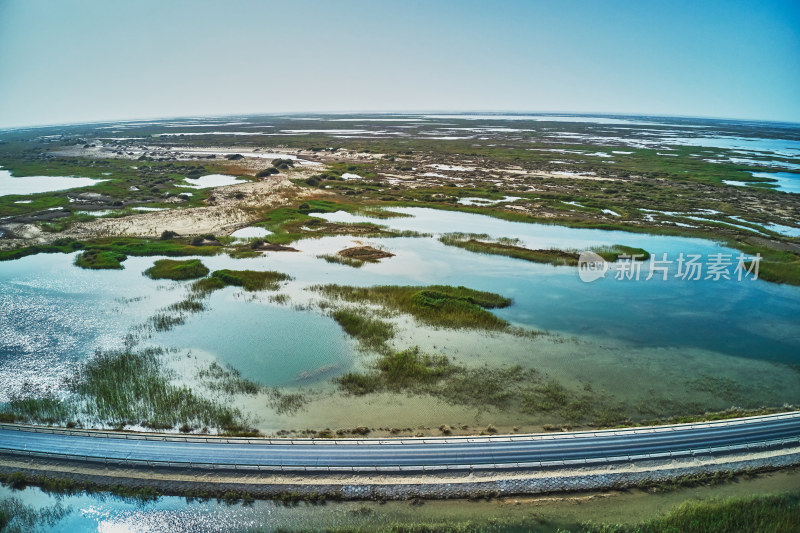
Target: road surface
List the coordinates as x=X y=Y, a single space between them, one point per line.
x=454 y=453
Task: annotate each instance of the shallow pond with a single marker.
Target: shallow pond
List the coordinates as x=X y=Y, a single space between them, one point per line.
x=780 y=147
x=212 y=180
x=37 y=184
x=251 y=232
x=785 y=181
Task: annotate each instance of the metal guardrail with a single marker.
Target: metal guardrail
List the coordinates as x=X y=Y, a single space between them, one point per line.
x=536 y=465
x=401 y=440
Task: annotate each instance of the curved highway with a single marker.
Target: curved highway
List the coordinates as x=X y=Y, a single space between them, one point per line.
x=595 y=447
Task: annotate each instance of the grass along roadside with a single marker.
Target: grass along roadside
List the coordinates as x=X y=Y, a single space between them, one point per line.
x=507 y=388
x=753 y=513
x=129 y=388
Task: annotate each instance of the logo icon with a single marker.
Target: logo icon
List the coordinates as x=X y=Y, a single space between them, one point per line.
x=591 y=266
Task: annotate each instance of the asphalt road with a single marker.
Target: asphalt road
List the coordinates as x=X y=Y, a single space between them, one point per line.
x=452 y=453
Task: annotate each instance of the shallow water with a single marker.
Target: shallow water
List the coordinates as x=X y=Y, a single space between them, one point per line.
x=270 y=344
x=170 y=514
x=487 y=201
x=781 y=147
x=38 y=184
x=250 y=232
x=212 y=180
x=785 y=181
x=55 y=314
x=59 y=313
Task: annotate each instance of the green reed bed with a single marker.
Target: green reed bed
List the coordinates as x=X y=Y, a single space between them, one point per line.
x=100 y=260
x=341 y=260
x=436 y=305
x=753 y=513
x=120 y=388
x=481 y=243
x=372 y=333
x=523 y=390
x=177 y=270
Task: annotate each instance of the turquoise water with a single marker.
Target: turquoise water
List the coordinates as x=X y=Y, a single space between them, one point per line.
x=785 y=181
x=744 y=318
x=272 y=344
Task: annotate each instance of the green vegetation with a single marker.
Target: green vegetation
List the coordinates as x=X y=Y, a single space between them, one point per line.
x=188 y=305
x=203 y=287
x=509 y=248
x=404 y=369
x=408 y=369
x=365 y=253
x=128 y=246
x=289 y=224
x=129 y=388
x=59 y=246
x=372 y=333
x=753 y=513
x=775 y=265
x=285 y=403
x=45 y=409
x=97 y=259
x=349 y=261
x=227 y=379
x=614 y=252
x=436 y=305
x=525 y=391
x=165 y=322
x=133 y=388
x=249 y=280
x=267 y=172
x=141 y=247
x=177 y=270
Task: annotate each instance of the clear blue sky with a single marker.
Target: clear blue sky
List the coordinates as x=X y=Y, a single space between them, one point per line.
x=88 y=60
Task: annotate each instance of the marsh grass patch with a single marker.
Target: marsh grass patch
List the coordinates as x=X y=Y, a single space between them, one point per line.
x=176 y=269
x=100 y=260
x=249 y=280
x=371 y=333
x=227 y=379
x=130 y=388
x=341 y=260
x=436 y=305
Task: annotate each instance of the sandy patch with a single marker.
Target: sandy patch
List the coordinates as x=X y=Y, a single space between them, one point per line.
x=233 y=207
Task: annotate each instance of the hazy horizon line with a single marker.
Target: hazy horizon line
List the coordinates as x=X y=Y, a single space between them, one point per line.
x=398 y=112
